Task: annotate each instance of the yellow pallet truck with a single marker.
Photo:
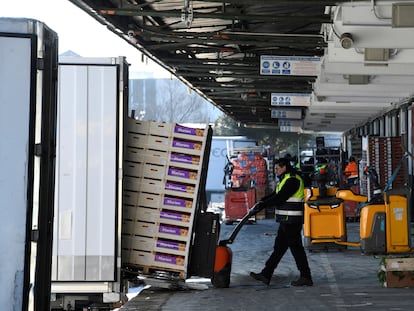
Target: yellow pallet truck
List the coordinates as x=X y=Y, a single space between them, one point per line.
x=324 y=220
x=384 y=223
x=384 y=220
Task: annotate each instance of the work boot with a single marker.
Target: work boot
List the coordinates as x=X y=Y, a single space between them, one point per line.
x=260 y=277
x=302 y=281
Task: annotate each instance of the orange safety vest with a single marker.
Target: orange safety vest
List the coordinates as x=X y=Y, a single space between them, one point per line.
x=351 y=170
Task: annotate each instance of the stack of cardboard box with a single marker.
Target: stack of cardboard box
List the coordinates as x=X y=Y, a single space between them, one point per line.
x=162 y=176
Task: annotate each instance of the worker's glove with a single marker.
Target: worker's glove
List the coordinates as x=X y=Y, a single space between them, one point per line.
x=257 y=208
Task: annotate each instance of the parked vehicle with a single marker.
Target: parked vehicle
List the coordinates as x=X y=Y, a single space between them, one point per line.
x=28 y=73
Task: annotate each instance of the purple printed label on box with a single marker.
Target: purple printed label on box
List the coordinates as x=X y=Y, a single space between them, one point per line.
x=175 y=260
x=169 y=230
x=175 y=202
x=178 y=187
x=185 y=130
x=174 y=216
x=186 y=144
x=182 y=158
x=168 y=244
x=172 y=230
x=175 y=187
x=179 y=173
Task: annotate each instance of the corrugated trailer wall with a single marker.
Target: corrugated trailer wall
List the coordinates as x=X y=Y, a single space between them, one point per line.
x=87 y=203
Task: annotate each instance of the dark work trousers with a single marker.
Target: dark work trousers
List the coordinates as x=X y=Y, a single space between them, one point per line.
x=288 y=236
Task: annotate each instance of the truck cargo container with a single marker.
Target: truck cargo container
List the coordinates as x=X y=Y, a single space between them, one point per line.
x=121 y=208
x=92 y=102
x=64 y=148
x=28 y=73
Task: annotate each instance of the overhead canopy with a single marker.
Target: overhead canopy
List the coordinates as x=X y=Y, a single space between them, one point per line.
x=298 y=65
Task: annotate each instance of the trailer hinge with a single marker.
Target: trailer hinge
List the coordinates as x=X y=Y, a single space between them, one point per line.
x=34 y=235
x=38 y=150
x=40 y=64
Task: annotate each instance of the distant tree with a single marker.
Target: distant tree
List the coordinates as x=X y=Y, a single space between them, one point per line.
x=169 y=100
x=280 y=143
x=175 y=103
x=226 y=126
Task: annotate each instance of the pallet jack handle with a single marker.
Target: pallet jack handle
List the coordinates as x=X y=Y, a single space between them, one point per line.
x=252 y=211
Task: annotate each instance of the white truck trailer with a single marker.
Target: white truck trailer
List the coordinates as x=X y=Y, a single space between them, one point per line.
x=92 y=103
x=61 y=188
x=28 y=72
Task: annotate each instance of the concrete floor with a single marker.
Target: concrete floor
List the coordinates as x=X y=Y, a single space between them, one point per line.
x=343 y=280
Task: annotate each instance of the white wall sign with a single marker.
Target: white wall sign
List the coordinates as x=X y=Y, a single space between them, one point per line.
x=290 y=99
x=290 y=125
x=286 y=113
x=290 y=65
x=295 y=129
x=283 y=122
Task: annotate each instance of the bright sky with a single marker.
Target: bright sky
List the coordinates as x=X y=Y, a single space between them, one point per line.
x=79 y=32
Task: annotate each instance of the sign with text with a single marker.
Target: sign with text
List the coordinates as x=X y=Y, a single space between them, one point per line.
x=286 y=113
x=290 y=125
x=290 y=65
x=290 y=99
x=283 y=122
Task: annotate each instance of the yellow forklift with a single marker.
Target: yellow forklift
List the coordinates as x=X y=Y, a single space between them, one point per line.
x=384 y=220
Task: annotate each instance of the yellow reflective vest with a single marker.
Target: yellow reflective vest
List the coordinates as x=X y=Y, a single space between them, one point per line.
x=292 y=210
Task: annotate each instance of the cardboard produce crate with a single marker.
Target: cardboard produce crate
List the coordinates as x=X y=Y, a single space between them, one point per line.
x=399 y=272
x=163 y=168
x=141 y=243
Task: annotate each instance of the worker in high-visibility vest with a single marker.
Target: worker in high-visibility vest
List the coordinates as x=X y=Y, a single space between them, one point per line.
x=288 y=200
x=351 y=172
x=320 y=177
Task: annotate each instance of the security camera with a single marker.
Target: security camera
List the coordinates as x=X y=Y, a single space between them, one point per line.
x=346 y=40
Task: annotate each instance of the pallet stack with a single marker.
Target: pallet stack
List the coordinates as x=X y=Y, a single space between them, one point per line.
x=250 y=169
x=385 y=154
x=163 y=171
x=249 y=182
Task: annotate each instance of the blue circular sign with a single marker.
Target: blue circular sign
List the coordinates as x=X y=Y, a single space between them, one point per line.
x=266 y=64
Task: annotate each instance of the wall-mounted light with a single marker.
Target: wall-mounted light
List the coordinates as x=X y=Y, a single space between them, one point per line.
x=346 y=40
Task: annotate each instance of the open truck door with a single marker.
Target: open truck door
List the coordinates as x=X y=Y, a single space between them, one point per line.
x=28 y=63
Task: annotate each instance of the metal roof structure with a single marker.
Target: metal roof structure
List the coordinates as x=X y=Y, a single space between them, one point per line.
x=233 y=53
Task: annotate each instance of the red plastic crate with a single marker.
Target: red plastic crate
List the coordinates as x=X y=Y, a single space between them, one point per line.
x=237 y=203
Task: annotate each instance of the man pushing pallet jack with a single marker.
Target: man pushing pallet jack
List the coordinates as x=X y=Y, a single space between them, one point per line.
x=288 y=199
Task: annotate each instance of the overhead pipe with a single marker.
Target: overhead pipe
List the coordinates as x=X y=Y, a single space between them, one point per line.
x=231 y=16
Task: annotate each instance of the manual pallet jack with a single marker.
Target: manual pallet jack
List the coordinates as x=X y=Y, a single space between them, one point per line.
x=224 y=254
